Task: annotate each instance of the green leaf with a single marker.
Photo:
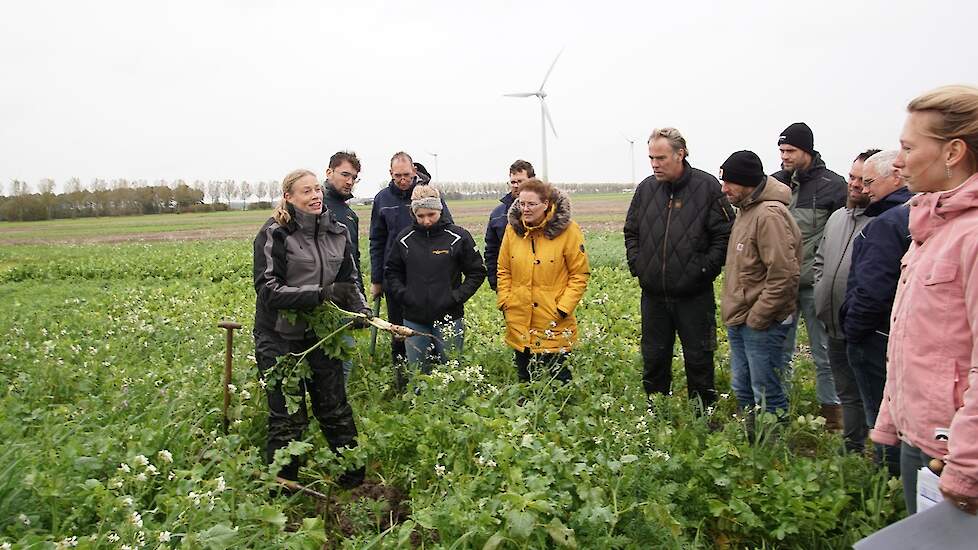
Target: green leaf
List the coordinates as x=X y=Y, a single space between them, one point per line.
x=494 y=541
x=561 y=535
x=273 y=515
x=218 y=537
x=520 y=524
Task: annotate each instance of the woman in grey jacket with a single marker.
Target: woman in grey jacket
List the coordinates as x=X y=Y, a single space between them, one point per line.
x=303 y=256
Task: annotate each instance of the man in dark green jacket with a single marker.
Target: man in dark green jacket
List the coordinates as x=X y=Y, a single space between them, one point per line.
x=816 y=192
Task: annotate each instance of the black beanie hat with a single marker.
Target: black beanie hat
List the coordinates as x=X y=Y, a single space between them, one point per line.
x=743 y=168
x=798 y=135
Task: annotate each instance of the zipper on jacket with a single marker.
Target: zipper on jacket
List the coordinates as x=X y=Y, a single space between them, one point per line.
x=835 y=275
x=319 y=253
x=665 y=241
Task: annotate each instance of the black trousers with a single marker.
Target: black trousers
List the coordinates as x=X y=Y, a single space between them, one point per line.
x=694 y=319
x=395 y=314
x=537 y=365
x=327 y=392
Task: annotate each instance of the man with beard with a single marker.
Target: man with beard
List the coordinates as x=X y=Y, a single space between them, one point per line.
x=816 y=192
x=832 y=261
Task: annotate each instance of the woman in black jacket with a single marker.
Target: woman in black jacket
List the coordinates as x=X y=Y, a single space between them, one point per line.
x=433 y=269
x=303 y=256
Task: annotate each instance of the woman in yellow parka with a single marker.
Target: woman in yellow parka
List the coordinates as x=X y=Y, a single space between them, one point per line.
x=542 y=274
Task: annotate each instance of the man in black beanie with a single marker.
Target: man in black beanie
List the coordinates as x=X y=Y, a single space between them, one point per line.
x=760 y=286
x=816 y=192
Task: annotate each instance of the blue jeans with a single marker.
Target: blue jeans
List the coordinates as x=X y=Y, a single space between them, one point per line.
x=757 y=364
x=819 y=340
x=911 y=460
x=868 y=361
x=427 y=350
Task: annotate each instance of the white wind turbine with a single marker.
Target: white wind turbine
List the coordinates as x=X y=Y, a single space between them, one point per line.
x=631 y=153
x=544 y=115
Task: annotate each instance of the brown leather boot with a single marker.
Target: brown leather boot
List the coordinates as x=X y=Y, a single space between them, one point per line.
x=833 y=417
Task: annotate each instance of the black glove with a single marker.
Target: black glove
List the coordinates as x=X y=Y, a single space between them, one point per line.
x=363 y=322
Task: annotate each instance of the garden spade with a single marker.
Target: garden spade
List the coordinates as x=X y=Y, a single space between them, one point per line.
x=230 y=326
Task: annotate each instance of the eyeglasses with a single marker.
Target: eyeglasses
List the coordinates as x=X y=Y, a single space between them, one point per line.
x=869 y=181
x=402 y=176
x=349 y=176
x=530 y=205
x=515 y=182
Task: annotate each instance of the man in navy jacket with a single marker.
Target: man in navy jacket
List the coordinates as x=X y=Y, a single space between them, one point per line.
x=391 y=213
x=872 y=284
x=519 y=172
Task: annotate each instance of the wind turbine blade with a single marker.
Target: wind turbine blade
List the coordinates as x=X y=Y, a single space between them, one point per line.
x=546 y=115
x=550 y=70
x=525 y=94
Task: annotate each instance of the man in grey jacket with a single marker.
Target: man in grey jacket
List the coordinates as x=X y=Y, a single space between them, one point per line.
x=832 y=261
x=816 y=192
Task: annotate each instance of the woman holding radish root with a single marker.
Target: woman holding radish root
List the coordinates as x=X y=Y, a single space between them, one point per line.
x=433 y=269
x=302 y=257
x=542 y=274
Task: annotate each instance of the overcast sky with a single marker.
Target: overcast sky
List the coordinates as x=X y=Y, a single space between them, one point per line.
x=250 y=90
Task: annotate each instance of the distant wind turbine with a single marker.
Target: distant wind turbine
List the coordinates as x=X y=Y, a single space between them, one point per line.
x=631 y=145
x=544 y=115
x=436 y=167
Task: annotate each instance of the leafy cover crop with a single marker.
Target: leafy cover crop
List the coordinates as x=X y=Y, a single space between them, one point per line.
x=110 y=381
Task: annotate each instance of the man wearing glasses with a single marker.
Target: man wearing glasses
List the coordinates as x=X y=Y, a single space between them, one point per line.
x=876 y=254
x=519 y=172
x=391 y=213
x=343 y=173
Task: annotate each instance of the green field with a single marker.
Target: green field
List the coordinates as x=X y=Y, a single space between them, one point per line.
x=111 y=363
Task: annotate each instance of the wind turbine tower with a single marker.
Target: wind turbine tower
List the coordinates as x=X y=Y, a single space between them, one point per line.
x=544 y=117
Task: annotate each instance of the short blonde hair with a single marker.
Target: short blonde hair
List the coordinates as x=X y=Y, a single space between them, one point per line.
x=956 y=108
x=281 y=213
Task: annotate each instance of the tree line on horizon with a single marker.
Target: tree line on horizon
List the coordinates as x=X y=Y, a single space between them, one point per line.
x=122 y=197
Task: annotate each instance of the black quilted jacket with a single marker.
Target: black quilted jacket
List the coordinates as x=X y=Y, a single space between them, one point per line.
x=676 y=233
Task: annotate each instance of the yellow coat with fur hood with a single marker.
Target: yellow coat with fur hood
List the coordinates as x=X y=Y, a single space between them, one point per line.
x=542 y=275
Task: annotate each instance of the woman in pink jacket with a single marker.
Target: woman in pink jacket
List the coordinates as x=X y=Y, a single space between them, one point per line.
x=930 y=404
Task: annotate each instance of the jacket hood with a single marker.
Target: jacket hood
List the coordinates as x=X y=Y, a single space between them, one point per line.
x=334 y=194
x=785 y=176
x=929 y=211
x=424 y=177
x=769 y=190
x=896 y=198
x=557 y=220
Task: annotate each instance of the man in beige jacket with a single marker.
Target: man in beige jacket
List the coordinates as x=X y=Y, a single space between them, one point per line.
x=760 y=289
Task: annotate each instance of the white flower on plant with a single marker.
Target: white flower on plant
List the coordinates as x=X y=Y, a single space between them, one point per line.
x=724 y=395
x=126 y=547
x=152 y=470
x=164 y=536
x=245 y=394
x=232 y=388
x=170 y=476
x=24 y=519
x=659 y=454
x=141 y=477
x=165 y=456
x=221 y=486
x=553 y=324
x=124 y=468
x=112 y=537
x=491 y=463
x=115 y=483
x=5 y=546
x=127 y=501
x=69 y=542
x=262 y=383
x=439 y=470
x=136 y=519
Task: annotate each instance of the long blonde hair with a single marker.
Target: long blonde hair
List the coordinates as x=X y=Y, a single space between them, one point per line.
x=956 y=108
x=281 y=213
